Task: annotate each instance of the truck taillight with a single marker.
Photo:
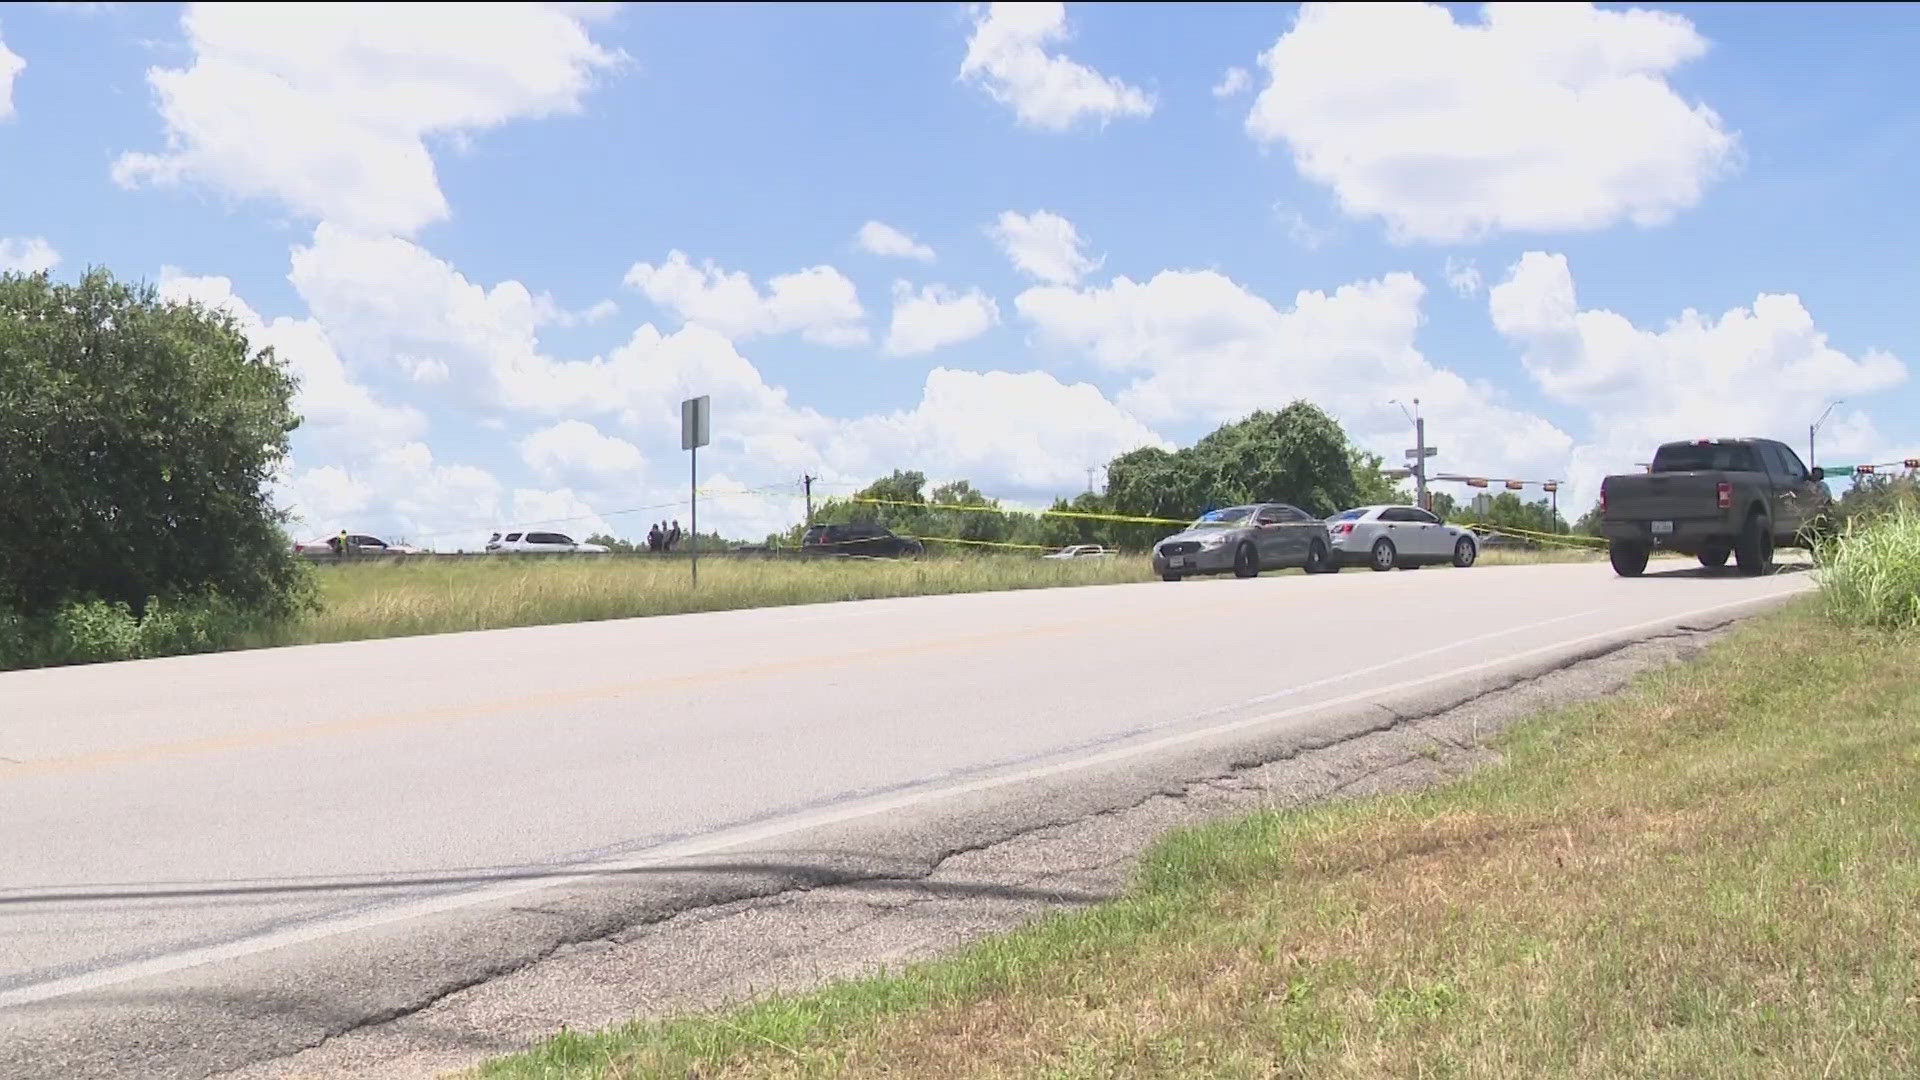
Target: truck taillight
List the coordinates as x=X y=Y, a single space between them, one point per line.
x=1603 y=498
x=1723 y=491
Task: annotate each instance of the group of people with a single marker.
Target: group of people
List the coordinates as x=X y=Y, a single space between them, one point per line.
x=662 y=537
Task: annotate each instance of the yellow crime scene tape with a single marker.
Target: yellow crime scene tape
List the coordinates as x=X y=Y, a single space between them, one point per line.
x=986 y=543
x=1563 y=539
x=1081 y=514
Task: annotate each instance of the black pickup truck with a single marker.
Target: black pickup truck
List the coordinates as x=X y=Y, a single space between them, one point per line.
x=1712 y=498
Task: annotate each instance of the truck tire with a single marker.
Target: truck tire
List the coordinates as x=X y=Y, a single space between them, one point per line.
x=1629 y=559
x=1753 y=552
x=1713 y=558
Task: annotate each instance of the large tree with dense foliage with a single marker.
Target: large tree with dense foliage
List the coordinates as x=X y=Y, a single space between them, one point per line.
x=137 y=439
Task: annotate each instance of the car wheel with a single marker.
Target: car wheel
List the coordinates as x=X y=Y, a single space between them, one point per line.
x=1246 y=561
x=1464 y=552
x=1383 y=555
x=1754 y=550
x=1628 y=558
x=1317 y=558
x=1714 y=558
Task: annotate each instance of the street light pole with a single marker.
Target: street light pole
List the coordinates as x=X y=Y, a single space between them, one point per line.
x=1419 y=450
x=1815 y=427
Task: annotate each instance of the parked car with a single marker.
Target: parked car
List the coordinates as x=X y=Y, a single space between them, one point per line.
x=1245 y=540
x=357 y=544
x=1081 y=551
x=857 y=538
x=535 y=543
x=1385 y=537
x=1711 y=498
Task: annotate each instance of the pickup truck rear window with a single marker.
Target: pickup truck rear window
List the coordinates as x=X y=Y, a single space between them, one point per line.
x=1712 y=457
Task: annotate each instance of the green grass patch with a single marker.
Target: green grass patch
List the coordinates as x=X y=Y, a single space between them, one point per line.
x=1870 y=572
x=1710 y=874
x=392 y=599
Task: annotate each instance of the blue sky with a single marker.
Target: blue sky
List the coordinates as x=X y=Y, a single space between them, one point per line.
x=1573 y=232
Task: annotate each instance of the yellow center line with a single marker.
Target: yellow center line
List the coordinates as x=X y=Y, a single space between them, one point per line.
x=97 y=759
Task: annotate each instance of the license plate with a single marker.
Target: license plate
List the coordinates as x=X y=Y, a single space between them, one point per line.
x=1177 y=560
x=1662 y=528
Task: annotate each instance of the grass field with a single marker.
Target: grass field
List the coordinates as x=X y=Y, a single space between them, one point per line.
x=1711 y=874
x=393 y=599
x=437 y=596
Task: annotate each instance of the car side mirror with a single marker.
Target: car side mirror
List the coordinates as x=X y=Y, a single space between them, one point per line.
x=1819 y=474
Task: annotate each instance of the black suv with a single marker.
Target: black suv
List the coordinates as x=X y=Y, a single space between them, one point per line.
x=874 y=541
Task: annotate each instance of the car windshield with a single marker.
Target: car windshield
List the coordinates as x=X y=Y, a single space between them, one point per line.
x=1349 y=515
x=1232 y=515
x=1710 y=457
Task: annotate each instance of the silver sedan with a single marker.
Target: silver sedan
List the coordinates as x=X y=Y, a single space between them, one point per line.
x=1385 y=537
x=1245 y=540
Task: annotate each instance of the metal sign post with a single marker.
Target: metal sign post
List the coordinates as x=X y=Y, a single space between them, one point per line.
x=696 y=415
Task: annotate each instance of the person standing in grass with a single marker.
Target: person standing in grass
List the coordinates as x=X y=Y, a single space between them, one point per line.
x=653 y=537
x=673 y=535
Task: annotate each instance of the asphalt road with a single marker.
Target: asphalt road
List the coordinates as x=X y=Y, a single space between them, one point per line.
x=213 y=860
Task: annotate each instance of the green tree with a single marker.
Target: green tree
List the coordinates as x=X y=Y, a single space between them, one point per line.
x=1371 y=485
x=137 y=439
x=1876 y=493
x=1298 y=455
x=613 y=543
x=1443 y=506
x=1589 y=523
x=1508 y=510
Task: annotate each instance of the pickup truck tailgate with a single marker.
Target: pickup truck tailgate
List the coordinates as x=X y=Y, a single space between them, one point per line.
x=1663 y=496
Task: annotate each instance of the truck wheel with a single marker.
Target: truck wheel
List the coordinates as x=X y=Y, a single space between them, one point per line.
x=1754 y=550
x=1628 y=558
x=1713 y=558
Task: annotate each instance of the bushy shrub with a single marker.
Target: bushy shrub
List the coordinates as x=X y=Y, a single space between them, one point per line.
x=1870 y=570
x=97 y=631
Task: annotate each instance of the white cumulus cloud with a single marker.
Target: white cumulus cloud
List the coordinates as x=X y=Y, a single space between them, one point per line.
x=1539 y=117
x=1007 y=56
x=576 y=450
x=330 y=108
x=1763 y=370
x=879 y=238
x=1200 y=348
x=1043 y=245
x=937 y=316
x=1463 y=277
x=27 y=255
x=817 y=302
x=10 y=68
x=1235 y=82
x=1024 y=435
x=334 y=406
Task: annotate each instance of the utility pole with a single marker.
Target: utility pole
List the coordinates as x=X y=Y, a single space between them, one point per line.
x=1420 y=464
x=1090 y=469
x=1815 y=426
x=806 y=482
x=1419 y=452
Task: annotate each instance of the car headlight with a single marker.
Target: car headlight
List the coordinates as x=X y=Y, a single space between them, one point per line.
x=1210 y=542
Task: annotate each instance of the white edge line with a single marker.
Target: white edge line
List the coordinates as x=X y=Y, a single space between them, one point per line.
x=725 y=839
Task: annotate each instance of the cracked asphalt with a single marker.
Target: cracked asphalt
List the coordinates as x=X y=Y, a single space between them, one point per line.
x=394 y=858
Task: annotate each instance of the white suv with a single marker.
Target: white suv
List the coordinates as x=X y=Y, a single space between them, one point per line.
x=542 y=542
